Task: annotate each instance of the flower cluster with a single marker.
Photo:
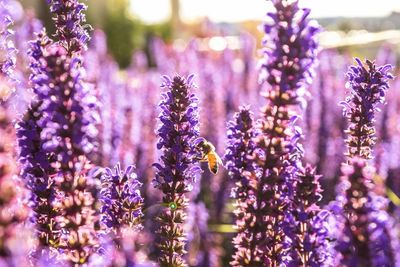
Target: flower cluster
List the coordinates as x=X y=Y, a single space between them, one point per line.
x=368 y=88
x=311 y=231
x=121 y=200
x=177 y=171
x=364 y=226
x=290 y=53
x=240 y=146
x=37 y=174
x=77 y=217
x=7 y=49
x=11 y=212
x=366 y=236
x=55 y=138
x=68 y=19
x=68 y=113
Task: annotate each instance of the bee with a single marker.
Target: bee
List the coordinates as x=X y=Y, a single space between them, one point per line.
x=208 y=154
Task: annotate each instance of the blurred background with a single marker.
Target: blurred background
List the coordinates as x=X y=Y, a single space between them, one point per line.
x=358 y=26
x=137 y=41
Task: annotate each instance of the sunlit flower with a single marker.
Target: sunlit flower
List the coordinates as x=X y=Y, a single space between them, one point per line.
x=176 y=173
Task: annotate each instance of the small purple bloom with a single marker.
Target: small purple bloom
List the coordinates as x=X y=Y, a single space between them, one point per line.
x=7 y=49
x=368 y=85
x=69 y=19
x=120 y=198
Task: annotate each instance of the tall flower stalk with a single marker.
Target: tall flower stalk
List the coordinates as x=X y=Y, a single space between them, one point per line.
x=368 y=85
x=68 y=18
x=176 y=173
x=56 y=136
x=238 y=162
x=36 y=163
x=290 y=51
x=121 y=210
x=311 y=231
x=364 y=239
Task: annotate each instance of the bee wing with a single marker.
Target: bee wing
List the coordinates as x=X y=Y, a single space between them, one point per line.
x=219 y=160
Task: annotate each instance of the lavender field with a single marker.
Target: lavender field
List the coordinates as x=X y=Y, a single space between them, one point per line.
x=274 y=153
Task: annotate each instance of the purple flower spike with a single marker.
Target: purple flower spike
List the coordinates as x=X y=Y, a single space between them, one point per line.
x=37 y=174
x=291 y=47
x=287 y=68
x=68 y=19
x=368 y=85
x=7 y=50
x=77 y=216
x=68 y=110
x=121 y=200
x=238 y=163
x=12 y=213
x=366 y=232
x=176 y=173
x=311 y=230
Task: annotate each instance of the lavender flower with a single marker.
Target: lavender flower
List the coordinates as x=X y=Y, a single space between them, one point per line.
x=121 y=199
x=240 y=147
x=36 y=172
x=365 y=234
x=77 y=217
x=368 y=89
x=68 y=19
x=12 y=213
x=177 y=171
x=7 y=49
x=290 y=52
x=68 y=109
x=311 y=230
x=364 y=238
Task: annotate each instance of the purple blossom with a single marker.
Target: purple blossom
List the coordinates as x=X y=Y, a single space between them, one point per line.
x=7 y=49
x=287 y=67
x=367 y=89
x=238 y=162
x=176 y=173
x=365 y=231
x=311 y=230
x=77 y=217
x=68 y=109
x=12 y=213
x=68 y=18
x=121 y=200
x=239 y=148
x=37 y=174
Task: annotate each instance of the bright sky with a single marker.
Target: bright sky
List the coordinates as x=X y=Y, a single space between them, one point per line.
x=237 y=10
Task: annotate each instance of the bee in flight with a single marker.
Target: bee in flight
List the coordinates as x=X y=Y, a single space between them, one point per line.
x=208 y=154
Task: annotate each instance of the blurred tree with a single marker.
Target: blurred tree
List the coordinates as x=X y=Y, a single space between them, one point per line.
x=124 y=33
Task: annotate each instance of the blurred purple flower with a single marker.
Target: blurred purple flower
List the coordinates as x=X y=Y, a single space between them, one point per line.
x=68 y=108
x=12 y=210
x=7 y=48
x=367 y=89
x=68 y=18
x=177 y=171
x=365 y=232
